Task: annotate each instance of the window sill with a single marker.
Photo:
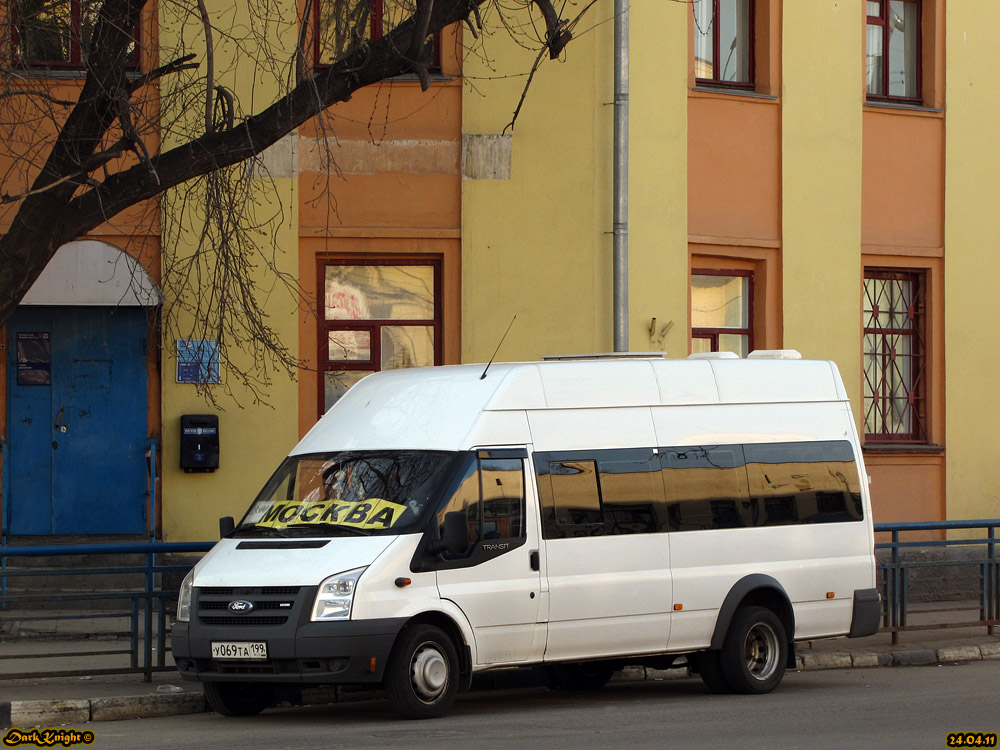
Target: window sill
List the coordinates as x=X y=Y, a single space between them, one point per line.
x=908 y=108
x=924 y=449
x=724 y=92
x=68 y=74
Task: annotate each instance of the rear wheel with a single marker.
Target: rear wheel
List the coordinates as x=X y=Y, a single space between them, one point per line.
x=239 y=698
x=421 y=678
x=755 y=651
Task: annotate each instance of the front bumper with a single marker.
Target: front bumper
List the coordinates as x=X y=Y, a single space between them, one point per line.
x=298 y=650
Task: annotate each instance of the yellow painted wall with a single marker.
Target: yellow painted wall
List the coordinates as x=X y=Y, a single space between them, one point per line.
x=822 y=95
x=254 y=438
x=658 y=211
x=972 y=234
x=538 y=245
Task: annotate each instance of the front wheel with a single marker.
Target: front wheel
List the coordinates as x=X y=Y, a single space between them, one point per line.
x=421 y=677
x=239 y=698
x=755 y=651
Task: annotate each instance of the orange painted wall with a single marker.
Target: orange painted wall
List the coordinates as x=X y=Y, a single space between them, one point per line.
x=903 y=227
x=734 y=168
x=135 y=231
x=396 y=189
x=902 y=182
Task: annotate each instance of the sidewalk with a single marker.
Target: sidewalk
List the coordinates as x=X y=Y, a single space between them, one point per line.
x=51 y=701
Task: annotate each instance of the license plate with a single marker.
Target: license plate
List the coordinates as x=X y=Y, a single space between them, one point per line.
x=239 y=650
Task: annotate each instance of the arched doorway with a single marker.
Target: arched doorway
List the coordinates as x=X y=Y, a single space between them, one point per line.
x=77 y=396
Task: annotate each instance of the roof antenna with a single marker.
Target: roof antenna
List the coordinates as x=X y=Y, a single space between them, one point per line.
x=483 y=376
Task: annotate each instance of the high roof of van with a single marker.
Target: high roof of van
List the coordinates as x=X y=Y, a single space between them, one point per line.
x=439 y=407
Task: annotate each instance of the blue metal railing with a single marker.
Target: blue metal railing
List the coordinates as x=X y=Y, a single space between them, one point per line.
x=4 y=510
x=895 y=573
x=149 y=600
x=151 y=447
x=144 y=601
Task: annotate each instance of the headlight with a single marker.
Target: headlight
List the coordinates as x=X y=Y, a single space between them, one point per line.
x=336 y=595
x=184 y=598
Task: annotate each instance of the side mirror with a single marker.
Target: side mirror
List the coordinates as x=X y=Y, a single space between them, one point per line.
x=226 y=526
x=455 y=536
x=456 y=532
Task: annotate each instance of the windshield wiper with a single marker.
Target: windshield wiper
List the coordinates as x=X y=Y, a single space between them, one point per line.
x=261 y=530
x=328 y=527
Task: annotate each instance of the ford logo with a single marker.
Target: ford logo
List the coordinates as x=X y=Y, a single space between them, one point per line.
x=241 y=606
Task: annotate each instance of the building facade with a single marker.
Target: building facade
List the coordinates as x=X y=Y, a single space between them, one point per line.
x=811 y=176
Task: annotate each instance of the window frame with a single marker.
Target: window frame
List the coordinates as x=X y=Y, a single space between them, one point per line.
x=882 y=20
x=712 y=334
x=916 y=389
x=715 y=81
x=76 y=51
x=375 y=30
x=374 y=362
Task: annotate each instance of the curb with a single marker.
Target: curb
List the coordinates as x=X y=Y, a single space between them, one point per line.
x=48 y=713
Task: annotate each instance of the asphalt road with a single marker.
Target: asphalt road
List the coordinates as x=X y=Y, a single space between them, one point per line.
x=881 y=708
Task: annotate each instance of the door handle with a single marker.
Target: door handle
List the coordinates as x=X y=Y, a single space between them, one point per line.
x=533 y=559
x=59 y=418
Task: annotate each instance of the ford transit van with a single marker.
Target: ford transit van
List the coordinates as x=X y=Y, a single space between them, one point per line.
x=580 y=516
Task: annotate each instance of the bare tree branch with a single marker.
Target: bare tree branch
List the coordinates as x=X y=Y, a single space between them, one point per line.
x=557 y=36
x=125 y=141
x=174 y=66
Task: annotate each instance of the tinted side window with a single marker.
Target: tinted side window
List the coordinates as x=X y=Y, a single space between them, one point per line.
x=569 y=496
x=463 y=495
x=502 y=498
x=589 y=493
x=631 y=494
x=491 y=493
x=795 y=483
x=706 y=488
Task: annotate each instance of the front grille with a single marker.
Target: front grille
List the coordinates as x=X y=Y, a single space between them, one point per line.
x=273 y=606
x=261 y=605
x=243 y=620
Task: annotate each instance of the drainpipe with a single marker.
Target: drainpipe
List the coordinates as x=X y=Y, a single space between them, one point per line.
x=620 y=230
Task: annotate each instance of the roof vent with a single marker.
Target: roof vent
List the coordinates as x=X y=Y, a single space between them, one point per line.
x=714 y=355
x=774 y=354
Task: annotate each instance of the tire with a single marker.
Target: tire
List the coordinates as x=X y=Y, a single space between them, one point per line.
x=710 y=670
x=590 y=675
x=422 y=675
x=755 y=651
x=239 y=698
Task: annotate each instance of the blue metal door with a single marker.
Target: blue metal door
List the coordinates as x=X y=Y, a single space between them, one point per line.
x=76 y=420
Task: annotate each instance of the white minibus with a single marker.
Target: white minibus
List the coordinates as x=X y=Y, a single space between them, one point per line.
x=578 y=515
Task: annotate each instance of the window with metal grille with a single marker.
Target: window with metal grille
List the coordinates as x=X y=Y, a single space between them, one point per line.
x=894 y=356
x=724 y=42
x=377 y=315
x=893 y=50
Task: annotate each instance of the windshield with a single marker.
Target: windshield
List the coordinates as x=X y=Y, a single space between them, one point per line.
x=357 y=492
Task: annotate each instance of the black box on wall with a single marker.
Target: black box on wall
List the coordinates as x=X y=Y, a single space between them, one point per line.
x=199 y=442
